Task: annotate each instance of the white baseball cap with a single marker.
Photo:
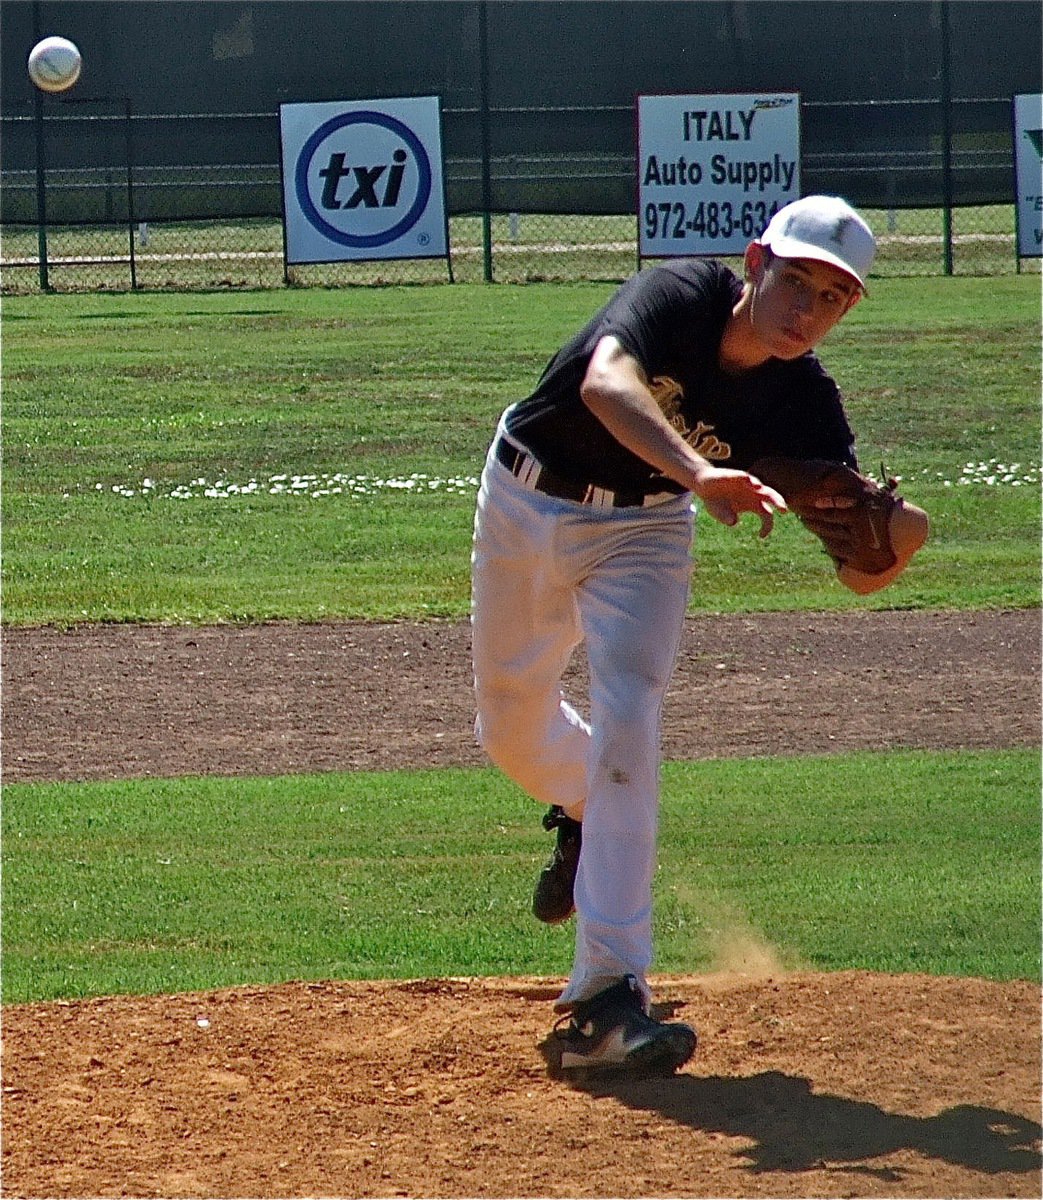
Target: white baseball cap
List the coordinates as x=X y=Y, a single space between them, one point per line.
x=825 y=228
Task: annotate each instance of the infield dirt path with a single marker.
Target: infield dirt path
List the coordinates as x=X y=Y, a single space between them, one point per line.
x=849 y=1084
x=116 y=701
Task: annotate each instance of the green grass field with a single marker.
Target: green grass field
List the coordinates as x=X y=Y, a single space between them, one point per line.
x=314 y=454
x=891 y=862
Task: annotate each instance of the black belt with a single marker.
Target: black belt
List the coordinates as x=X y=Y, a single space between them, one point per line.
x=529 y=471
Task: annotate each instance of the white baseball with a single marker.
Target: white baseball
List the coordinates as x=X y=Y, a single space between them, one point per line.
x=54 y=64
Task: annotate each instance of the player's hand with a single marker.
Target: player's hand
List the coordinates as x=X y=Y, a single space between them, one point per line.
x=727 y=494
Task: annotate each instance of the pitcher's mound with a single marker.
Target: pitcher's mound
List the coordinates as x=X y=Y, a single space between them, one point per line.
x=852 y=1084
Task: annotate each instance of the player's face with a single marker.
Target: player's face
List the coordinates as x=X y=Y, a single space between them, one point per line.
x=798 y=301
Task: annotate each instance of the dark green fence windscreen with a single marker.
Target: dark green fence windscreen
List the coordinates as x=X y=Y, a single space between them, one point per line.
x=903 y=105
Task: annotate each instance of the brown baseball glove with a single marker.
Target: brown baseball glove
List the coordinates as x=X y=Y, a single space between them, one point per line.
x=850 y=514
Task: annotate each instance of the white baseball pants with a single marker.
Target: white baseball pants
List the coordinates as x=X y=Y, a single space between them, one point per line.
x=546 y=575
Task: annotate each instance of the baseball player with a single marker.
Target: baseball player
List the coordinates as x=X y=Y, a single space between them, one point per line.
x=684 y=380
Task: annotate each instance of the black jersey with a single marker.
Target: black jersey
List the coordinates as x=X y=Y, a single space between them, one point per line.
x=671 y=318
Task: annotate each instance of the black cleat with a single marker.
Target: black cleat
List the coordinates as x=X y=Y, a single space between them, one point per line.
x=552 y=900
x=611 y=1033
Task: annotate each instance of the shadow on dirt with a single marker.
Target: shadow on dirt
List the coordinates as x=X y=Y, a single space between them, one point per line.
x=795 y=1129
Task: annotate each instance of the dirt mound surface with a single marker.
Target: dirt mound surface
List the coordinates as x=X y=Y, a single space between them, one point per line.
x=805 y=1085
x=847 y=1084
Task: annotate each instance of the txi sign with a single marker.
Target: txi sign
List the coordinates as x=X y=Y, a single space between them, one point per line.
x=363 y=180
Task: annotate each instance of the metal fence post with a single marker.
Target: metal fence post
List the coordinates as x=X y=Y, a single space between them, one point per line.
x=41 y=193
x=483 y=89
x=41 y=182
x=130 y=194
x=946 y=90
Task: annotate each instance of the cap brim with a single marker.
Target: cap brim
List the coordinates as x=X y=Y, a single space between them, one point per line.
x=786 y=247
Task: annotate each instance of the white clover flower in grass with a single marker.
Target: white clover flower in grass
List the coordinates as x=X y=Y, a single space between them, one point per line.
x=996 y=474
x=311 y=484
x=992 y=473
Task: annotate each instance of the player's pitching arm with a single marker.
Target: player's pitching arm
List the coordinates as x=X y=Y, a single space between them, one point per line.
x=615 y=389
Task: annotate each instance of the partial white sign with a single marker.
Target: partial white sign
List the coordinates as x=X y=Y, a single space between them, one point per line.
x=713 y=170
x=1028 y=174
x=363 y=179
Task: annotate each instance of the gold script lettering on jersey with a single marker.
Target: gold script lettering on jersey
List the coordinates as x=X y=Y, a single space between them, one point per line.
x=668 y=395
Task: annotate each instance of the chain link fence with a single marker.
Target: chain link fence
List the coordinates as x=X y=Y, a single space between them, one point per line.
x=128 y=249
x=524 y=248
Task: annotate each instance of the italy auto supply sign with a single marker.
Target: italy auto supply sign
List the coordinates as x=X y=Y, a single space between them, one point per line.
x=713 y=170
x=363 y=180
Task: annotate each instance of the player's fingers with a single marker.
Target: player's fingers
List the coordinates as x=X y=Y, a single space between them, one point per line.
x=774 y=498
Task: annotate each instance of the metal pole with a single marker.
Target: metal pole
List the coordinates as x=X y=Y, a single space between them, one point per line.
x=41 y=183
x=946 y=89
x=41 y=193
x=483 y=87
x=130 y=195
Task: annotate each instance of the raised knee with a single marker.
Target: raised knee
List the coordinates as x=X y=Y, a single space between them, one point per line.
x=500 y=729
x=493 y=737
